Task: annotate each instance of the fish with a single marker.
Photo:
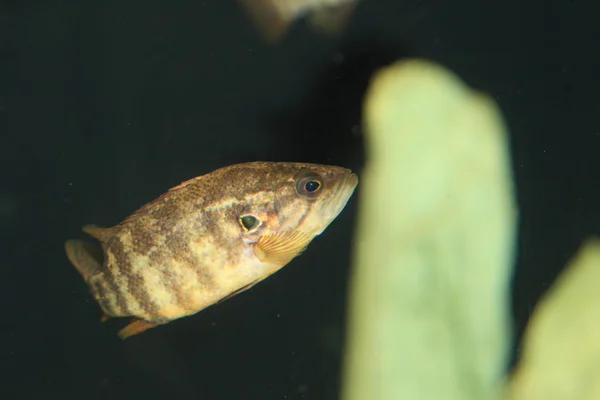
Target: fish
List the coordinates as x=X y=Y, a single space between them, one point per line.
x=208 y=239
x=274 y=17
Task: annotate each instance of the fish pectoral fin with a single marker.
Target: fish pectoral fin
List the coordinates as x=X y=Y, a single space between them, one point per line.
x=135 y=327
x=280 y=248
x=331 y=20
x=86 y=257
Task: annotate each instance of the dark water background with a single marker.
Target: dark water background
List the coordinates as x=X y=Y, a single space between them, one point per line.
x=104 y=105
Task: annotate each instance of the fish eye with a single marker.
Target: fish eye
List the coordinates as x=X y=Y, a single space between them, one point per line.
x=309 y=184
x=312 y=186
x=249 y=222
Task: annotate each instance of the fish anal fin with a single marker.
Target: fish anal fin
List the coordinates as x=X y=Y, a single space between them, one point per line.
x=331 y=20
x=86 y=257
x=102 y=234
x=135 y=327
x=280 y=248
x=268 y=18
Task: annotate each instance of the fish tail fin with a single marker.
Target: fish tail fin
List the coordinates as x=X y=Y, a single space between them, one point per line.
x=268 y=18
x=331 y=20
x=87 y=258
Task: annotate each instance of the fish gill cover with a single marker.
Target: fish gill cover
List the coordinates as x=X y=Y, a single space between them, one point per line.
x=435 y=249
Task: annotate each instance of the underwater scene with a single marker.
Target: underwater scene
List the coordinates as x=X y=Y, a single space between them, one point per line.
x=293 y=199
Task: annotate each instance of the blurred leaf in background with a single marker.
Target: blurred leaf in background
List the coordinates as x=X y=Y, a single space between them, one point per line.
x=435 y=242
x=561 y=357
x=434 y=251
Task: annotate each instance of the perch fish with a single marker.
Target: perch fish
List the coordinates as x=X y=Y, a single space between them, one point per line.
x=208 y=239
x=274 y=17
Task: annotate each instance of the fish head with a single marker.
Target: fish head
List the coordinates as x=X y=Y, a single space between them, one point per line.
x=297 y=202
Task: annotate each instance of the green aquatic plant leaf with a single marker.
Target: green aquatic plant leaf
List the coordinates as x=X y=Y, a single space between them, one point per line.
x=561 y=356
x=434 y=248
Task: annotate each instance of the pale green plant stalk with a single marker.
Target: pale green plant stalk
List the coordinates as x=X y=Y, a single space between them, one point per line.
x=434 y=252
x=435 y=239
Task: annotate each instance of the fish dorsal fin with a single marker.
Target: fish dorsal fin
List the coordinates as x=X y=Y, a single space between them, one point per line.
x=86 y=257
x=280 y=248
x=102 y=234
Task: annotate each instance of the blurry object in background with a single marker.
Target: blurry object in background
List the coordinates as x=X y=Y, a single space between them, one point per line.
x=561 y=351
x=434 y=253
x=273 y=17
x=435 y=242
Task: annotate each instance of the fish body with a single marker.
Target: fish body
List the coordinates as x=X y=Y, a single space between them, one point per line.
x=209 y=238
x=273 y=17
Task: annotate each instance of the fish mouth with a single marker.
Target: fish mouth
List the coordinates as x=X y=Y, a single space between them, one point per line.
x=344 y=190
